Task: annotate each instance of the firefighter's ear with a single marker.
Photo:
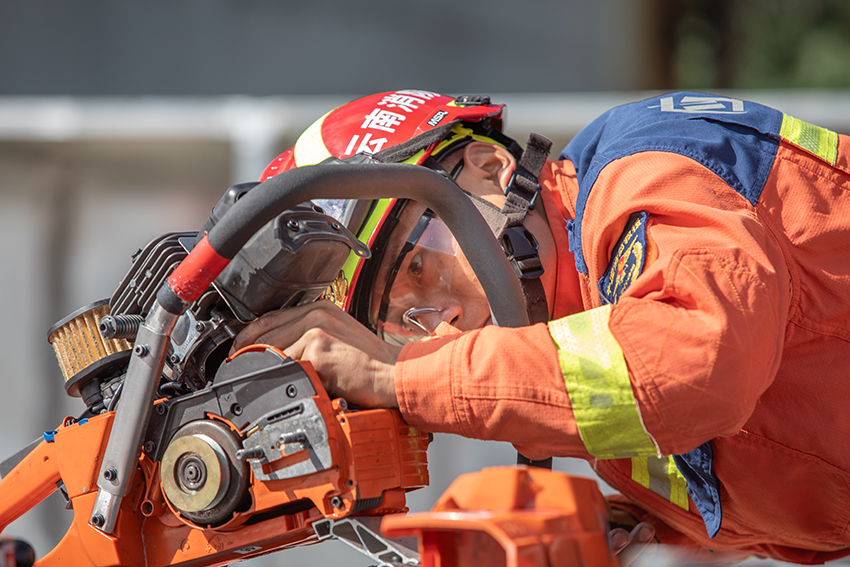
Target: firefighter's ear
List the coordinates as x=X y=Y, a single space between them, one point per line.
x=487 y=169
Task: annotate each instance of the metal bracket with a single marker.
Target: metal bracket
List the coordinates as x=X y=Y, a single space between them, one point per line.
x=296 y=427
x=122 y=450
x=364 y=534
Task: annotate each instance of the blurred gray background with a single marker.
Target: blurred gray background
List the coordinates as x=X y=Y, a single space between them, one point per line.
x=120 y=121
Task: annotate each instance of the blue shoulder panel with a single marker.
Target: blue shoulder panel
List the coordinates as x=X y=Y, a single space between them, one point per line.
x=737 y=140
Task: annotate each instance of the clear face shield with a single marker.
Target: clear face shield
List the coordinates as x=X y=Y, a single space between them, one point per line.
x=419 y=284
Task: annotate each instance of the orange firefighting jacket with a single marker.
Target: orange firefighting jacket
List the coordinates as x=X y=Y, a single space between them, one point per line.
x=707 y=241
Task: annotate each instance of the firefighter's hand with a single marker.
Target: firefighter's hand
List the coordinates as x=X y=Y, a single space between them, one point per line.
x=351 y=361
x=629 y=546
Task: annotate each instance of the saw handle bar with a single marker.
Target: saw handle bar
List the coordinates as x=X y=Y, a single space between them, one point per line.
x=342 y=180
x=329 y=180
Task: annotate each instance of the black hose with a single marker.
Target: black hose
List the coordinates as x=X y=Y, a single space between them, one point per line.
x=342 y=180
x=116 y=396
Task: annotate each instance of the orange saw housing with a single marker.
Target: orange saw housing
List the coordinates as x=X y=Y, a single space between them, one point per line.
x=376 y=459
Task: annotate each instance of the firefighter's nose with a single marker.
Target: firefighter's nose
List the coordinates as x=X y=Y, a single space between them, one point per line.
x=451 y=313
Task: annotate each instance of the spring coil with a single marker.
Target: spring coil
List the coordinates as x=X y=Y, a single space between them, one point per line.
x=120 y=326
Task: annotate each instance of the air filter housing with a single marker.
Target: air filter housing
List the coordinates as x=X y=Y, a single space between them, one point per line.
x=84 y=356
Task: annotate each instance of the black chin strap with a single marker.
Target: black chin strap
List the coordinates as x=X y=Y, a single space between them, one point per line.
x=517 y=242
x=520 y=244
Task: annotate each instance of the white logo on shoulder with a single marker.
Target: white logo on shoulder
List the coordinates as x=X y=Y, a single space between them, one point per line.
x=702 y=104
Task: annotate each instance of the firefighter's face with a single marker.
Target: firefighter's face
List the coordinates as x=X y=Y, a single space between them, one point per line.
x=425 y=279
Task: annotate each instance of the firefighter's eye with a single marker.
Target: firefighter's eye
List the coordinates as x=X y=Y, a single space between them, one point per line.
x=415 y=269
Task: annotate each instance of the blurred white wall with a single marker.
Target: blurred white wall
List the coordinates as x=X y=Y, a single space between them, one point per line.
x=84 y=183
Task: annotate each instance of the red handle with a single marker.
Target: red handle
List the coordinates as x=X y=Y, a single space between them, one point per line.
x=194 y=274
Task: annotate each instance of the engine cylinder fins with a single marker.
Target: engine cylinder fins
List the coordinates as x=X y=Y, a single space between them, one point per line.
x=136 y=293
x=78 y=344
x=200 y=474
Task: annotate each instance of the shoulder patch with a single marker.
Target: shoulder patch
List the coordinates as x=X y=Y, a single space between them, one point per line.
x=627 y=259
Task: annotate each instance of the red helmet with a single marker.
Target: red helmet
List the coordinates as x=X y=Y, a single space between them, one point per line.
x=382 y=121
x=407 y=126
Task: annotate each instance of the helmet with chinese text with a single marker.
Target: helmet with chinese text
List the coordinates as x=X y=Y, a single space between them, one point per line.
x=424 y=127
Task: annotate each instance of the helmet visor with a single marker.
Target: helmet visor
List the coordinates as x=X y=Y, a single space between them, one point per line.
x=419 y=284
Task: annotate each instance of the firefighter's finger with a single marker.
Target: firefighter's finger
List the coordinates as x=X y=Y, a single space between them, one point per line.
x=641 y=542
x=280 y=337
x=276 y=323
x=289 y=328
x=362 y=371
x=619 y=539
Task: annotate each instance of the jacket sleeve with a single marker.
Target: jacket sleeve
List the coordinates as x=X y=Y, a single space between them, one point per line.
x=682 y=357
x=492 y=383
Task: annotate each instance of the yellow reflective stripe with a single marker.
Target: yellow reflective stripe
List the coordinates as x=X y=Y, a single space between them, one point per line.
x=597 y=380
x=819 y=141
x=640 y=471
x=678 y=485
x=310 y=149
x=661 y=476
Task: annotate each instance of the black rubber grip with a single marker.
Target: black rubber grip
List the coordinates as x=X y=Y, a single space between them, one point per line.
x=342 y=180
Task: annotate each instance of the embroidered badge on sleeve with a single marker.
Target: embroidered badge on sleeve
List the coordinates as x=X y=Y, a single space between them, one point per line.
x=627 y=259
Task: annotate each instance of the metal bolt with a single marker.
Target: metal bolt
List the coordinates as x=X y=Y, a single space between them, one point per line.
x=192 y=472
x=291 y=391
x=245 y=454
x=98 y=520
x=236 y=409
x=140 y=350
x=292 y=437
x=110 y=474
x=161 y=408
x=336 y=502
x=150 y=447
x=200 y=326
x=174 y=358
x=292 y=225
x=336 y=226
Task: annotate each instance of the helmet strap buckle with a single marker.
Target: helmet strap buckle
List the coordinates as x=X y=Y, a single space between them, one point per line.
x=520 y=246
x=520 y=186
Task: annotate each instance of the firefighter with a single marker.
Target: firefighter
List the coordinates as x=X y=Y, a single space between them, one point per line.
x=685 y=268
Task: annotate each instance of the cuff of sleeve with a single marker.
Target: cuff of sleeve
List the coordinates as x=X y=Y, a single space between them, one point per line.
x=423 y=384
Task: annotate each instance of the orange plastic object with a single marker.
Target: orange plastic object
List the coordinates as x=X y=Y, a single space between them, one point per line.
x=512 y=517
x=376 y=457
